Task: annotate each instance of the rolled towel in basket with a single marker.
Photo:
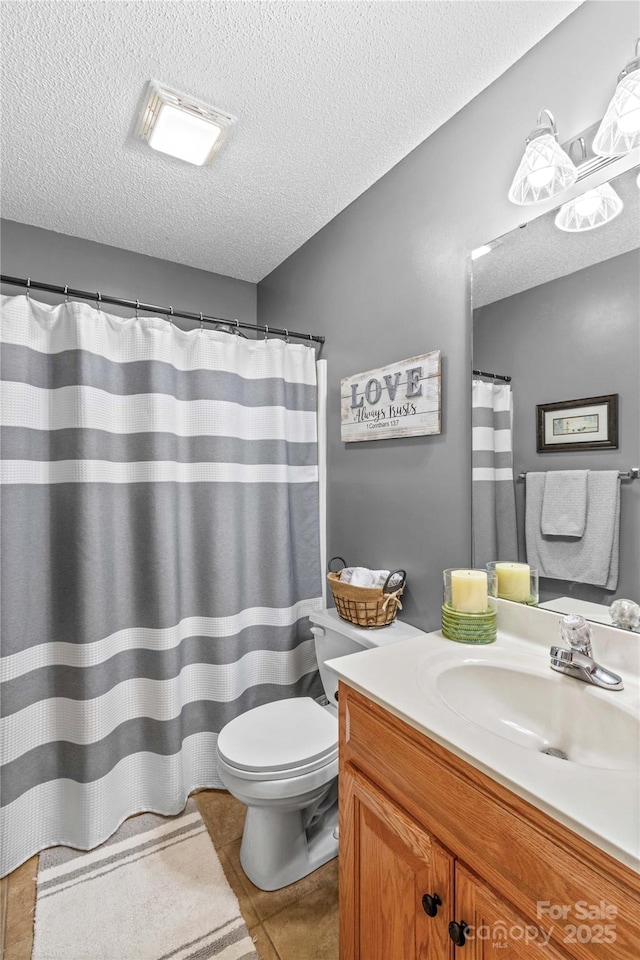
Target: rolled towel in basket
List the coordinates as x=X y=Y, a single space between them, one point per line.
x=363 y=577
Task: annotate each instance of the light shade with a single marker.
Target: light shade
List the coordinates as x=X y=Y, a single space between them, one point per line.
x=590 y=210
x=619 y=131
x=183 y=135
x=545 y=169
x=173 y=123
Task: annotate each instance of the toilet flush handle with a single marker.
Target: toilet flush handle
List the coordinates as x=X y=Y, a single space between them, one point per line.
x=318 y=631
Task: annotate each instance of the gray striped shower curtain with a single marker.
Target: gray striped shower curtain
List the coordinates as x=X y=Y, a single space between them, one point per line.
x=160 y=558
x=492 y=492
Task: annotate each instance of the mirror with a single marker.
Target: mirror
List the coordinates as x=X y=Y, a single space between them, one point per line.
x=559 y=313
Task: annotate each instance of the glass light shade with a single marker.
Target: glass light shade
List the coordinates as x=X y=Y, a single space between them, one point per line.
x=590 y=210
x=545 y=170
x=619 y=131
x=183 y=135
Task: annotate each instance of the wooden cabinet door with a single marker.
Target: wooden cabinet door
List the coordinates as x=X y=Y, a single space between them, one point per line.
x=387 y=865
x=495 y=931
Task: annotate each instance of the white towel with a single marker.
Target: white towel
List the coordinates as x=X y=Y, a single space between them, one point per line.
x=594 y=557
x=363 y=577
x=564 y=504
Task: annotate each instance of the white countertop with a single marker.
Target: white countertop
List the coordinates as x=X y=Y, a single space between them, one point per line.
x=601 y=805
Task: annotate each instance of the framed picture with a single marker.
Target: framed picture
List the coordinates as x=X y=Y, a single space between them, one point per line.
x=589 y=424
x=399 y=400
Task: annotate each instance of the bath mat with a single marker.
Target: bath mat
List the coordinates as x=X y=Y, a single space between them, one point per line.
x=154 y=891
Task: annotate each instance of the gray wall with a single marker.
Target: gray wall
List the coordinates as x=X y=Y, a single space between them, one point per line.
x=578 y=336
x=58 y=259
x=388 y=279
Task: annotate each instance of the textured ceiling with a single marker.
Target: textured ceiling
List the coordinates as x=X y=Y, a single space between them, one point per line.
x=328 y=96
x=525 y=258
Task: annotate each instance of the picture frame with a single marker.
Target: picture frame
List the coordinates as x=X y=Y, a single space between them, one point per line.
x=587 y=424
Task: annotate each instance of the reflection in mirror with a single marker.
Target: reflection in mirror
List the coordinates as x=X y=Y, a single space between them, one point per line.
x=598 y=612
x=559 y=314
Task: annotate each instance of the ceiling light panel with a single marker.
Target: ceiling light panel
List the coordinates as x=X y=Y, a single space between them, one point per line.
x=480 y=251
x=181 y=126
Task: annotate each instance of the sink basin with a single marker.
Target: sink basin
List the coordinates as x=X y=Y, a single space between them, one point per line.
x=540 y=712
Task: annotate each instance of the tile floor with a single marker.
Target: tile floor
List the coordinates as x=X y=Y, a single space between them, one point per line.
x=299 y=922
x=19 y=900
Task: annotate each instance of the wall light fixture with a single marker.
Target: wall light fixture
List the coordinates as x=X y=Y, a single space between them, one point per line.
x=545 y=169
x=591 y=209
x=177 y=124
x=619 y=131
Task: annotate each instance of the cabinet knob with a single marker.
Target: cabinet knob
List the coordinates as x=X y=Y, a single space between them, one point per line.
x=430 y=904
x=458 y=932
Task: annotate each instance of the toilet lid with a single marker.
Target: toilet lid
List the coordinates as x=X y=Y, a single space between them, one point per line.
x=280 y=736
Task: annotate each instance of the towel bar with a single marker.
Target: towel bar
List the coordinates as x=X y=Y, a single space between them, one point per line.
x=632 y=474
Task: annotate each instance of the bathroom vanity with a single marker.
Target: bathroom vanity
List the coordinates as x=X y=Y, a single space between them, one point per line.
x=461 y=838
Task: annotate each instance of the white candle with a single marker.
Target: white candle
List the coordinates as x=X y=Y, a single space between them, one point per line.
x=469 y=591
x=514 y=581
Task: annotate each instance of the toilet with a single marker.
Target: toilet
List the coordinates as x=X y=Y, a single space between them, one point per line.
x=281 y=760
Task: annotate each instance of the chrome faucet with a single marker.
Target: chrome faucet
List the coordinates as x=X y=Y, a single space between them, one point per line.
x=577 y=661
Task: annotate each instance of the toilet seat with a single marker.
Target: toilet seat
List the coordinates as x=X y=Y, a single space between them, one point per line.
x=286 y=738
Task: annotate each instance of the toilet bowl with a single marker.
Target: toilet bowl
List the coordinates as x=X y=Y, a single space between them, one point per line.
x=281 y=760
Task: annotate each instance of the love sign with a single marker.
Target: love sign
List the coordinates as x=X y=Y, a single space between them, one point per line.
x=399 y=400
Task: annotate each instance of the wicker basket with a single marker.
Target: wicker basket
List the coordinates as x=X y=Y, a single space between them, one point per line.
x=366 y=606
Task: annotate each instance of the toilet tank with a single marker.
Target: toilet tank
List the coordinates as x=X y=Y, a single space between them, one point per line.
x=335 y=637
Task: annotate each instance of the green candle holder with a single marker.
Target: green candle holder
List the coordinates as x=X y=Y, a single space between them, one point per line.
x=469 y=627
x=469 y=606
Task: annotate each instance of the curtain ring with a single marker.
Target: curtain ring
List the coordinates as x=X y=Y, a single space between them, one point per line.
x=266 y=331
x=66 y=293
x=98 y=300
x=171 y=315
x=28 y=287
x=286 y=336
x=137 y=309
x=201 y=321
x=237 y=323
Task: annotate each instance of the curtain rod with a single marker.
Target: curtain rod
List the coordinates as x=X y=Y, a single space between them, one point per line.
x=151 y=308
x=494 y=376
x=632 y=474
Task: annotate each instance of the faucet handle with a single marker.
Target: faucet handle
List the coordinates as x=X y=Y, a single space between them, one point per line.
x=576 y=633
x=625 y=613
x=561 y=654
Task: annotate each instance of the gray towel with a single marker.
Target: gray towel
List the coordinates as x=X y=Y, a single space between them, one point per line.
x=593 y=558
x=564 y=504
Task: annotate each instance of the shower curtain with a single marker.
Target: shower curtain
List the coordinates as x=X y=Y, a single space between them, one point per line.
x=160 y=558
x=492 y=490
